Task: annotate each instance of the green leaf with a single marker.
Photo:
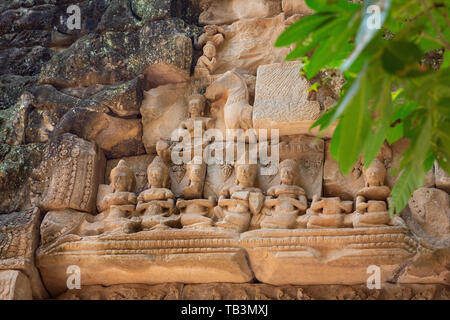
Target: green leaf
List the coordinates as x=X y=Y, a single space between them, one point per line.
x=300 y=29
x=357 y=122
x=327 y=51
x=384 y=106
x=402 y=58
x=334 y=144
x=395 y=133
x=446 y=62
x=412 y=166
x=410 y=179
x=307 y=44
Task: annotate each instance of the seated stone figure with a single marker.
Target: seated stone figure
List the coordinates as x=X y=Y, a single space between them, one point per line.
x=214 y=34
x=195 y=212
x=157 y=202
x=116 y=207
x=327 y=213
x=284 y=202
x=206 y=64
x=372 y=201
x=237 y=203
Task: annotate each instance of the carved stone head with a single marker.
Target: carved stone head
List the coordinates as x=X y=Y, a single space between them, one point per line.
x=158 y=174
x=245 y=174
x=374 y=175
x=289 y=172
x=196 y=170
x=210 y=30
x=196 y=105
x=122 y=178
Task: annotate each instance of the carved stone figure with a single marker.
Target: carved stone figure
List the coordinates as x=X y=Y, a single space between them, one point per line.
x=195 y=211
x=69 y=175
x=327 y=213
x=196 y=105
x=116 y=207
x=213 y=34
x=237 y=111
x=372 y=200
x=239 y=202
x=284 y=202
x=157 y=202
x=207 y=62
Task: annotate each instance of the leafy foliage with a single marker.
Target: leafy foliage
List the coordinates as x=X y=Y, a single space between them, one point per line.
x=374 y=61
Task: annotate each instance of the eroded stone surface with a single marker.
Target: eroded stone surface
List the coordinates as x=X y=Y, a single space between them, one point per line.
x=69 y=175
x=291 y=7
x=429 y=215
x=247 y=45
x=161 y=50
x=19 y=238
x=281 y=100
x=14 y=285
x=226 y=12
x=247 y=291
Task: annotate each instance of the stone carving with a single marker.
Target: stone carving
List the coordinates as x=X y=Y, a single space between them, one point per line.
x=442 y=178
x=237 y=111
x=281 y=100
x=196 y=212
x=117 y=206
x=372 y=200
x=139 y=166
x=238 y=203
x=225 y=12
x=309 y=153
x=158 y=202
x=163 y=109
x=69 y=175
x=249 y=44
x=284 y=202
x=207 y=62
x=14 y=285
x=258 y=291
x=196 y=105
x=19 y=238
x=429 y=216
x=291 y=7
x=212 y=33
x=335 y=184
x=327 y=213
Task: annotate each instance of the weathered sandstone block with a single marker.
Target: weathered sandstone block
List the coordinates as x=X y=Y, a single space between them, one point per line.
x=291 y=7
x=145 y=257
x=281 y=100
x=69 y=175
x=326 y=256
x=162 y=110
x=14 y=285
x=430 y=216
x=249 y=44
x=225 y=12
x=139 y=166
x=258 y=291
x=19 y=238
x=442 y=178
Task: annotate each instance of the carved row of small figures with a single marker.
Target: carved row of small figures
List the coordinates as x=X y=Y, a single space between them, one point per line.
x=241 y=206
